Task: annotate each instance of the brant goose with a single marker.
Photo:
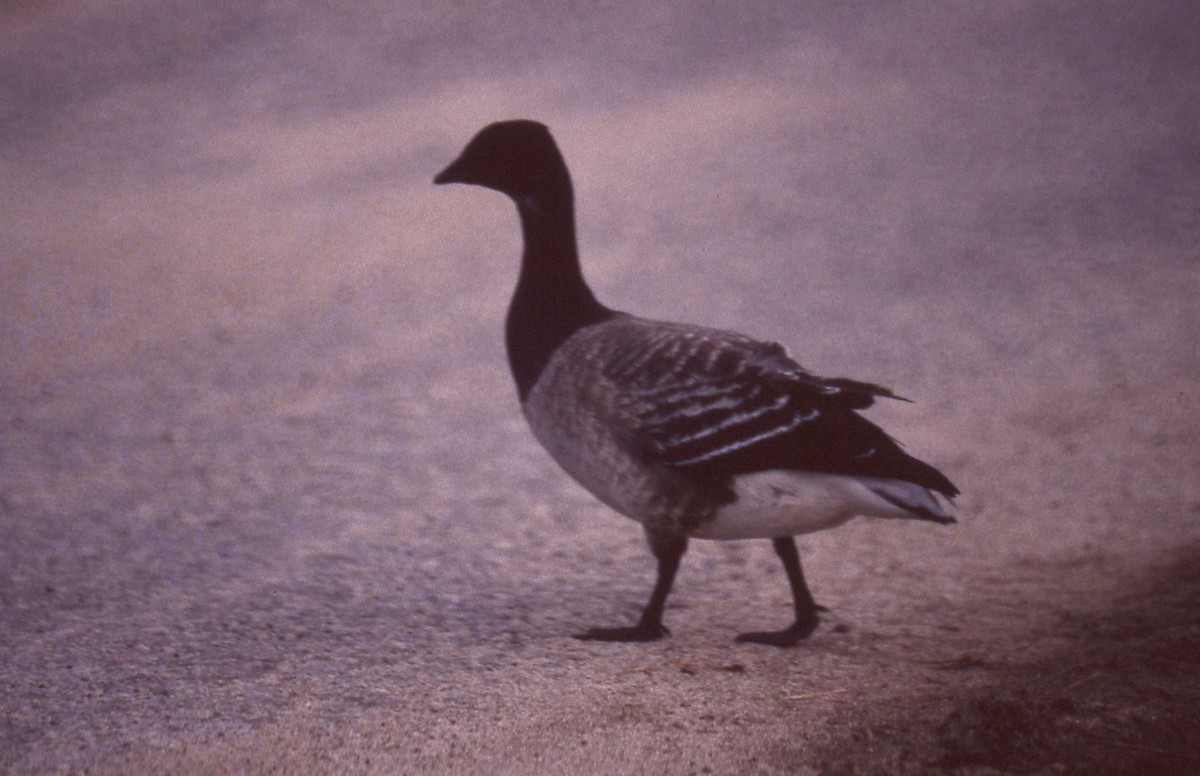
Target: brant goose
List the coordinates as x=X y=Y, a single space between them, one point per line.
x=691 y=431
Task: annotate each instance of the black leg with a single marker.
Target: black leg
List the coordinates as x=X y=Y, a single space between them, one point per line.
x=806 y=607
x=669 y=550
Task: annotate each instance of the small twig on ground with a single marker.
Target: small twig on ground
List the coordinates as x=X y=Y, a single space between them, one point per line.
x=1084 y=680
x=694 y=668
x=966 y=660
x=817 y=694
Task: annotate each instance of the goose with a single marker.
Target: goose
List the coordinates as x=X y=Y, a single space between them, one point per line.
x=694 y=432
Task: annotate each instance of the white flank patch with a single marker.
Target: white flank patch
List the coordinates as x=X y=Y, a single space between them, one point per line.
x=779 y=502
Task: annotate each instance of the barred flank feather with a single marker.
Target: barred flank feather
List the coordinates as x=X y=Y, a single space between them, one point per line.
x=720 y=404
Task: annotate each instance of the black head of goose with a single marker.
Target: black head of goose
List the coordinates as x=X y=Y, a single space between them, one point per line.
x=691 y=431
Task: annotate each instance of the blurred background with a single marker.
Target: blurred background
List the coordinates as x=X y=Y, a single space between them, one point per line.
x=176 y=167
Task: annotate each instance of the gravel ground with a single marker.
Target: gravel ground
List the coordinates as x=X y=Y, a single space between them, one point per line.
x=267 y=504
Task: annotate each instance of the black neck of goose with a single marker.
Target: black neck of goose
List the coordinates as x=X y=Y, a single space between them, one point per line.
x=552 y=301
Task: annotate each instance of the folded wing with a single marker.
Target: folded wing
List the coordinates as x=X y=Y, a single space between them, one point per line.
x=716 y=404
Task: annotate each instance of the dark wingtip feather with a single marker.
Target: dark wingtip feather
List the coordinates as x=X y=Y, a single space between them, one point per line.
x=855 y=394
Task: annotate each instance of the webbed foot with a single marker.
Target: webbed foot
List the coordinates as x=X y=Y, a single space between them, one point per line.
x=789 y=637
x=632 y=633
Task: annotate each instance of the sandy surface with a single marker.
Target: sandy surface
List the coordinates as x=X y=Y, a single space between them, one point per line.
x=267 y=504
